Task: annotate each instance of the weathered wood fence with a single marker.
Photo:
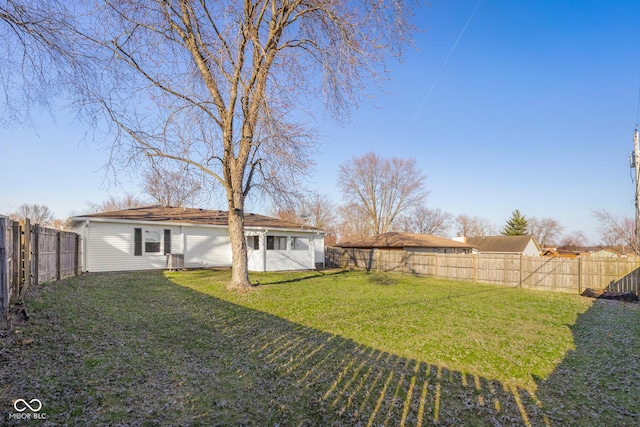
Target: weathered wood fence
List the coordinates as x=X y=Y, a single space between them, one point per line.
x=546 y=273
x=30 y=254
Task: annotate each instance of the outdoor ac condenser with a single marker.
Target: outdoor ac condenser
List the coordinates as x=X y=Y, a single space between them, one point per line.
x=175 y=261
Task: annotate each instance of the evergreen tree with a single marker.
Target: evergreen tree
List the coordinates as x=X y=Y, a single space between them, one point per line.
x=516 y=226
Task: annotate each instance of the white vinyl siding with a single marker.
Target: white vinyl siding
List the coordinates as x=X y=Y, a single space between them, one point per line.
x=110 y=246
x=207 y=247
x=282 y=252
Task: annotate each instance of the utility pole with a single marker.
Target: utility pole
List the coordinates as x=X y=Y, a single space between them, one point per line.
x=636 y=164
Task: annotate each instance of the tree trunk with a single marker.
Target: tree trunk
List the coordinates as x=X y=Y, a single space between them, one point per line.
x=240 y=268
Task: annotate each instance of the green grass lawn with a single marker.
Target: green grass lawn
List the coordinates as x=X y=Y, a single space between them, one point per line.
x=319 y=348
x=501 y=333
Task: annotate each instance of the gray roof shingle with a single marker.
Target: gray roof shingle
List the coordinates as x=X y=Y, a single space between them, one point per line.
x=511 y=244
x=404 y=240
x=193 y=216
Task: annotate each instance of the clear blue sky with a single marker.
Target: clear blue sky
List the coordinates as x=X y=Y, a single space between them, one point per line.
x=534 y=110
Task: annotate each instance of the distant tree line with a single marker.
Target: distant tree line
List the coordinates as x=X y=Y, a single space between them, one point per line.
x=378 y=195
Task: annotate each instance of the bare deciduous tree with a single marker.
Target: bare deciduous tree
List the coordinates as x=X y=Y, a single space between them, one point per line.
x=383 y=188
x=113 y=203
x=573 y=241
x=473 y=226
x=426 y=221
x=171 y=187
x=545 y=230
x=37 y=214
x=38 y=56
x=214 y=84
x=616 y=231
x=354 y=223
x=316 y=210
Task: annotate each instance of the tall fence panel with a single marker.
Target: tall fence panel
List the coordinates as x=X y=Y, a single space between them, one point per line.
x=502 y=269
x=6 y=271
x=47 y=249
x=552 y=274
x=544 y=273
x=30 y=254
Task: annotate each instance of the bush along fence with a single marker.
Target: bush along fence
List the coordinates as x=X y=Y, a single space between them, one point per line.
x=545 y=273
x=31 y=254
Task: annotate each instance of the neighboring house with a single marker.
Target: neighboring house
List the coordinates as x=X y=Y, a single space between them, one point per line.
x=607 y=253
x=409 y=242
x=510 y=245
x=582 y=251
x=156 y=237
x=562 y=253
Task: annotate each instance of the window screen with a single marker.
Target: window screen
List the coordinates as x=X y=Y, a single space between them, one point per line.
x=151 y=241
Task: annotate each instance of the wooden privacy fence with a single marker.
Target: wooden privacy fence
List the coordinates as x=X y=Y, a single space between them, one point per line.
x=30 y=254
x=546 y=273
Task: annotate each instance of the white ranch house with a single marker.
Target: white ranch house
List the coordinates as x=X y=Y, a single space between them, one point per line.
x=156 y=237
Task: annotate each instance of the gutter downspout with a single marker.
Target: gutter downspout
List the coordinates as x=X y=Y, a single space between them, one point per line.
x=263 y=249
x=85 y=239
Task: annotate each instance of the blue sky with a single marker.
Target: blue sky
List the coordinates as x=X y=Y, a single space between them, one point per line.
x=534 y=110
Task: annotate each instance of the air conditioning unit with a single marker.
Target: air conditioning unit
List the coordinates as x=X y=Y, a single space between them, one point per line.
x=175 y=261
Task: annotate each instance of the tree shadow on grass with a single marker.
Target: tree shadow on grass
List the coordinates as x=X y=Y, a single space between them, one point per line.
x=301 y=277
x=598 y=383
x=107 y=349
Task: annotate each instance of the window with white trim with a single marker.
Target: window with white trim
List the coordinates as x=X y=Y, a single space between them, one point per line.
x=152 y=239
x=253 y=242
x=299 y=243
x=278 y=243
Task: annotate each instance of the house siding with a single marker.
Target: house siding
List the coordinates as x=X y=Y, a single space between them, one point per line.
x=207 y=248
x=318 y=245
x=531 y=249
x=264 y=259
x=110 y=246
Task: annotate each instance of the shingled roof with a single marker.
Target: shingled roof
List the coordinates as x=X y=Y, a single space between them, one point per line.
x=506 y=244
x=404 y=240
x=158 y=213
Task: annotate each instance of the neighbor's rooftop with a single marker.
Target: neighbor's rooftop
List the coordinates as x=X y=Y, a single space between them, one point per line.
x=404 y=240
x=506 y=244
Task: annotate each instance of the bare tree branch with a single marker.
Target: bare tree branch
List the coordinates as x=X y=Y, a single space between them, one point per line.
x=384 y=188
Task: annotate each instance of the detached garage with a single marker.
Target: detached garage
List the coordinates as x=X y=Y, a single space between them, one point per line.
x=157 y=237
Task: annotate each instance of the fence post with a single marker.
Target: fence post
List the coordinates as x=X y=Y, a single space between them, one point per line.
x=58 y=255
x=5 y=322
x=475 y=268
x=520 y=280
x=25 y=253
x=436 y=265
x=76 y=270
x=17 y=260
x=35 y=243
x=580 y=275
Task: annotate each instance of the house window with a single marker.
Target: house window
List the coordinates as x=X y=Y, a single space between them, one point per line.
x=167 y=241
x=152 y=241
x=253 y=242
x=278 y=243
x=299 y=243
x=137 y=241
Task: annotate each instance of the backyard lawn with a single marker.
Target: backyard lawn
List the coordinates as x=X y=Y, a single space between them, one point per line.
x=318 y=348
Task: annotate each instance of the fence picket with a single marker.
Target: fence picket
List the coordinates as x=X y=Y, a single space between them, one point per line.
x=30 y=255
x=547 y=273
